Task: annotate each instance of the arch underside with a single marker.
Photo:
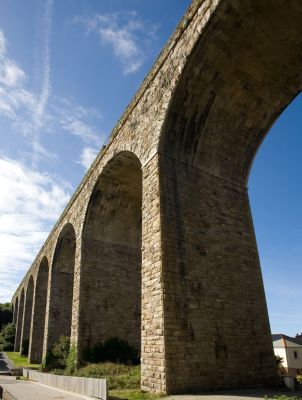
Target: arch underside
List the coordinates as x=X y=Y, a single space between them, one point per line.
x=27 y=316
x=19 y=321
x=111 y=256
x=244 y=70
x=61 y=290
x=39 y=313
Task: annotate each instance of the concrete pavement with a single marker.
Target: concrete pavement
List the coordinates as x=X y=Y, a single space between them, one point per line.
x=23 y=390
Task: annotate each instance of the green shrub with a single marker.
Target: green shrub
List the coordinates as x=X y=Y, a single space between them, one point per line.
x=119 y=376
x=57 y=356
x=299 y=378
x=282 y=397
x=115 y=350
x=60 y=351
x=6 y=315
x=7 y=337
x=71 y=362
x=58 y=371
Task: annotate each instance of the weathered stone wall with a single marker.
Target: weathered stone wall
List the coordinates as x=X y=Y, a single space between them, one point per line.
x=215 y=311
x=195 y=126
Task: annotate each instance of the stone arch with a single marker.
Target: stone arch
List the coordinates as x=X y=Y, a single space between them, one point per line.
x=15 y=314
x=228 y=96
x=27 y=316
x=227 y=99
x=39 y=313
x=61 y=287
x=110 y=292
x=19 y=321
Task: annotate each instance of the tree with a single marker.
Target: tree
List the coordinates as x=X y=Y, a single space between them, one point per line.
x=6 y=315
x=7 y=337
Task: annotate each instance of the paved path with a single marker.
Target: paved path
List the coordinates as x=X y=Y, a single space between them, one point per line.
x=22 y=390
x=5 y=364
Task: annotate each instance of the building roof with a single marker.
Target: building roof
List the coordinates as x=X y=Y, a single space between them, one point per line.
x=278 y=336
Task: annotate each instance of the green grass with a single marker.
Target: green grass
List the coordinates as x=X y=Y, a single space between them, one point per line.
x=20 y=361
x=132 y=395
x=282 y=397
x=123 y=380
x=119 y=376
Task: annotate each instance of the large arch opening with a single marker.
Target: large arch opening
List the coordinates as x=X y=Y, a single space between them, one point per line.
x=110 y=303
x=39 y=313
x=15 y=314
x=276 y=199
x=19 y=322
x=61 y=291
x=226 y=100
x=27 y=318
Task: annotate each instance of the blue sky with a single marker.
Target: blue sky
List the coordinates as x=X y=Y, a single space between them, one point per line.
x=68 y=69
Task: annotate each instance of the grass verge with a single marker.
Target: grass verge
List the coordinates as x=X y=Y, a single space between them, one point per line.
x=283 y=397
x=20 y=361
x=123 y=380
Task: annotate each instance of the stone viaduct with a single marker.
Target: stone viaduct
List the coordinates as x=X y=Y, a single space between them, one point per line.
x=157 y=244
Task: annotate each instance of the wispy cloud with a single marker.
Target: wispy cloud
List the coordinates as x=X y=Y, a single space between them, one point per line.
x=35 y=114
x=10 y=74
x=25 y=108
x=30 y=202
x=127 y=34
x=46 y=86
x=87 y=156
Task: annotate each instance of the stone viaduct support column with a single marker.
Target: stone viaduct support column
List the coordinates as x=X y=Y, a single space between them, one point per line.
x=27 y=317
x=19 y=322
x=216 y=326
x=38 y=315
x=153 y=357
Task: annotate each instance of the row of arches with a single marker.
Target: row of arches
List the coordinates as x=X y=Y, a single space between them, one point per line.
x=109 y=271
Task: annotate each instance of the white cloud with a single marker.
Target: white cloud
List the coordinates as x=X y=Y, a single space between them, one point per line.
x=87 y=157
x=10 y=73
x=30 y=202
x=35 y=114
x=46 y=86
x=126 y=33
x=78 y=128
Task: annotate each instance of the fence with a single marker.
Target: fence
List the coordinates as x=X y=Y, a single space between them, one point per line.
x=87 y=386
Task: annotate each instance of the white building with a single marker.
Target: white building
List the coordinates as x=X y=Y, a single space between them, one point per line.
x=290 y=349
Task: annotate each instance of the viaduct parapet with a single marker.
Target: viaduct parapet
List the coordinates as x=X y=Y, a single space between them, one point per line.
x=157 y=244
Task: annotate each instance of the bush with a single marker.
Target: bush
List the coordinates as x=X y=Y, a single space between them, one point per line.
x=57 y=356
x=71 y=362
x=282 y=397
x=6 y=315
x=7 y=337
x=115 y=350
x=299 y=379
x=119 y=376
